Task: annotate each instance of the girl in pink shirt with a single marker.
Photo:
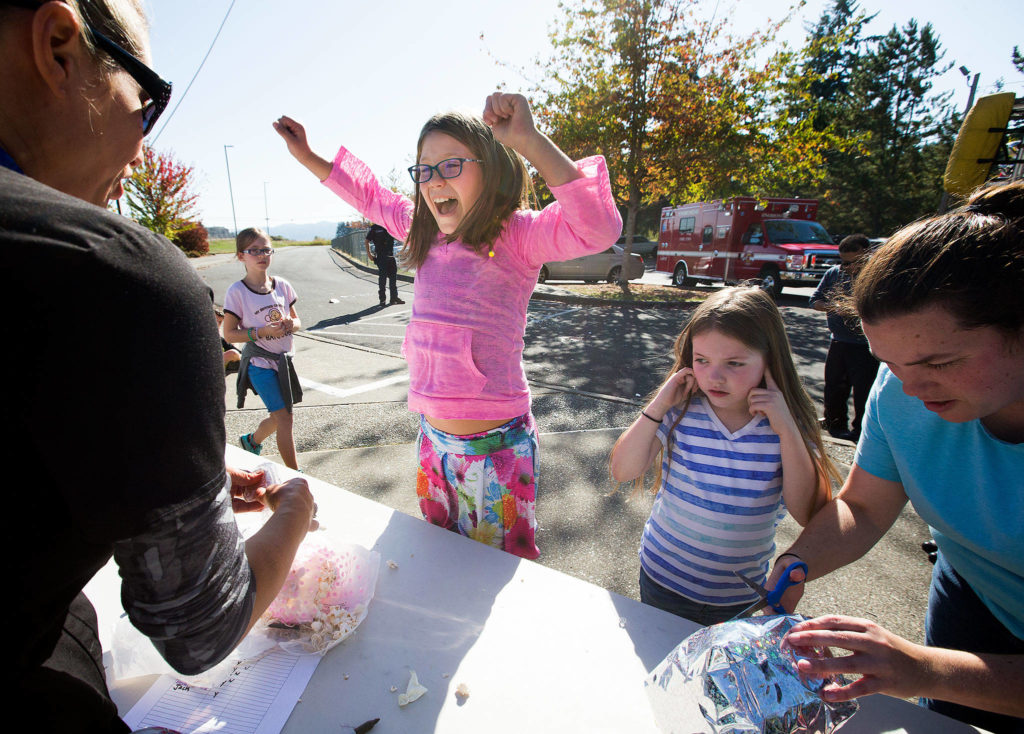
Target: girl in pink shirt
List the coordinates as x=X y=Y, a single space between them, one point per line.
x=477 y=249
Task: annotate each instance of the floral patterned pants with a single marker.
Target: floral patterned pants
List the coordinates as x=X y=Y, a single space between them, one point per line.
x=484 y=485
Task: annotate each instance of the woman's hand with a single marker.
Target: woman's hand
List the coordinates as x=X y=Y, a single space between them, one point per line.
x=247 y=490
x=771 y=403
x=791 y=596
x=511 y=121
x=887 y=663
x=295 y=492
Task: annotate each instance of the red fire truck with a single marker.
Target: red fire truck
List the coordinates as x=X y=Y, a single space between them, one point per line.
x=774 y=240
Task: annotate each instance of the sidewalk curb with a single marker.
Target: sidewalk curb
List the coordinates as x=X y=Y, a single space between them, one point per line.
x=542 y=295
x=366 y=268
x=541 y=292
x=591 y=301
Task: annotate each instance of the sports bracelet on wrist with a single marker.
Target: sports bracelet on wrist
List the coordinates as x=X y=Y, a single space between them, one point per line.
x=789 y=554
x=650 y=418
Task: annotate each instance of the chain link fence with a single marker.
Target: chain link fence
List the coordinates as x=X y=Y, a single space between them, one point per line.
x=353 y=244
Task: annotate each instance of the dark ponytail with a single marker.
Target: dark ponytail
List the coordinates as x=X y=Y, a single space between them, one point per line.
x=970 y=261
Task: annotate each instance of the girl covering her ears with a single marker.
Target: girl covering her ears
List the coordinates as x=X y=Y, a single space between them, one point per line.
x=259 y=311
x=477 y=250
x=739 y=438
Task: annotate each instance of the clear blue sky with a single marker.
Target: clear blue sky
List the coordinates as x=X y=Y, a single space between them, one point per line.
x=369 y=74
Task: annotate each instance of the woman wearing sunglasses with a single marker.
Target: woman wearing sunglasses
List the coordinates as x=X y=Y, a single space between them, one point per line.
x=124 y=444
x=940 y=303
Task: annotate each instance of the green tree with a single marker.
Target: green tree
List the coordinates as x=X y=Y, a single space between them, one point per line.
x=680 y=109
x=875 y=93
x=159 y=193
x=907 y=131
x=831 y=54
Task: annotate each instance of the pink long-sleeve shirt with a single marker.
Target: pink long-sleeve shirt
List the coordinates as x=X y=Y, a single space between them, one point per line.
x=464 y=343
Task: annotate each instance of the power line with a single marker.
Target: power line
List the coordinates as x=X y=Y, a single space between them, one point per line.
x=182 y=98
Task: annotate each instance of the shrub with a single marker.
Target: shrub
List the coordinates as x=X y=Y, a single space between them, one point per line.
x=193 y=239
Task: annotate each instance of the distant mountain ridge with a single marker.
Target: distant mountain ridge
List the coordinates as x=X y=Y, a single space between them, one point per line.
x=304 y=231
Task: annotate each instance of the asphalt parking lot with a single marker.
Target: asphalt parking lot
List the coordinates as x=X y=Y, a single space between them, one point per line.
x=589 y=368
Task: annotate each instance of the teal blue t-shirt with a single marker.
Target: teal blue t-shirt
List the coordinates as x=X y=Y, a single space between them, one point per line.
x=965 y=483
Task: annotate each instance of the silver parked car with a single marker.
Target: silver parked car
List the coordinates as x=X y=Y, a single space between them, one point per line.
x=606 y=265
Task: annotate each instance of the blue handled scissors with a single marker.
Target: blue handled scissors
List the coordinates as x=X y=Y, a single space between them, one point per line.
x=771 y=598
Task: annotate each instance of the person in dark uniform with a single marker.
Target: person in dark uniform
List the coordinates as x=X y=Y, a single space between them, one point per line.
x=382 y=252
x=849 y=365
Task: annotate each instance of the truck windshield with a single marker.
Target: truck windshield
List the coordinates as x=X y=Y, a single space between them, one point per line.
x=796 y=231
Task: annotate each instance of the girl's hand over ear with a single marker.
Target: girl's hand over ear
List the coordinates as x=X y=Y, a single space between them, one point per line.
x=676 y=389
x=511 y=121
x=770 y=402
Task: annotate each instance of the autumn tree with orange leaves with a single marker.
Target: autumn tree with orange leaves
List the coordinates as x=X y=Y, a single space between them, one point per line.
x=681 y=110
x=159 y=194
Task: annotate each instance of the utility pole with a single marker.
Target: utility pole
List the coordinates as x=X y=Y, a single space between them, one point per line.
x=230 y=192
x=970 y=98
x=944 y=202
x=266 y=211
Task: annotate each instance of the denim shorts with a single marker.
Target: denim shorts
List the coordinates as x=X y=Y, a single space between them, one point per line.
x=959 y=620
x=267 y=387
x=656 y=595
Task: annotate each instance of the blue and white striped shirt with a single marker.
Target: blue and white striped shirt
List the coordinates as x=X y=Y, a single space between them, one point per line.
x=717 y=508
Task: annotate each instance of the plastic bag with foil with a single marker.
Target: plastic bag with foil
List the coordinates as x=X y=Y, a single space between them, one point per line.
x=324 y=598
x=738 y=676
x=327 y=592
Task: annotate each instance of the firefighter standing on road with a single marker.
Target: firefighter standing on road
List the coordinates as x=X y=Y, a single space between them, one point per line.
x=849 y=364
x=383 y=254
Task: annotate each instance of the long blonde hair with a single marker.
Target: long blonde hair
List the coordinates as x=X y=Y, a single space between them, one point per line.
x=749 y=315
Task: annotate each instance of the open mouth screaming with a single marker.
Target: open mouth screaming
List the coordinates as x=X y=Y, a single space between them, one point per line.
x=445 y=206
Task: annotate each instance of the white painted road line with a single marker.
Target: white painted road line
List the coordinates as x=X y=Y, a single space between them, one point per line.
x=560 y=313
x=357 y=333
x=384 y=315
x=348 y=392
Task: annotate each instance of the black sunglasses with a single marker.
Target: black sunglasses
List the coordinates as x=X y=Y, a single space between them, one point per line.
x=158 y=90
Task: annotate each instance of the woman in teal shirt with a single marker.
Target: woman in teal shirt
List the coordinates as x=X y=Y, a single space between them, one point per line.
x=941 y=305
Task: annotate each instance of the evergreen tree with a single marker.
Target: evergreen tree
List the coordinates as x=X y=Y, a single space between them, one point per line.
x=909 y=131
x=832 y=51
x=875 y=93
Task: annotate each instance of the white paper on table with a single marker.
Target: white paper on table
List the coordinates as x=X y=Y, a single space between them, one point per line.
x=257 y=698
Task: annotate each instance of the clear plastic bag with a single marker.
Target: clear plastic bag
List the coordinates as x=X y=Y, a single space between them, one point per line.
x=324 y=599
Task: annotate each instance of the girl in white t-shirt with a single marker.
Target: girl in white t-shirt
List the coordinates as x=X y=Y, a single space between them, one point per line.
x=259 y=311
x=741 y=445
